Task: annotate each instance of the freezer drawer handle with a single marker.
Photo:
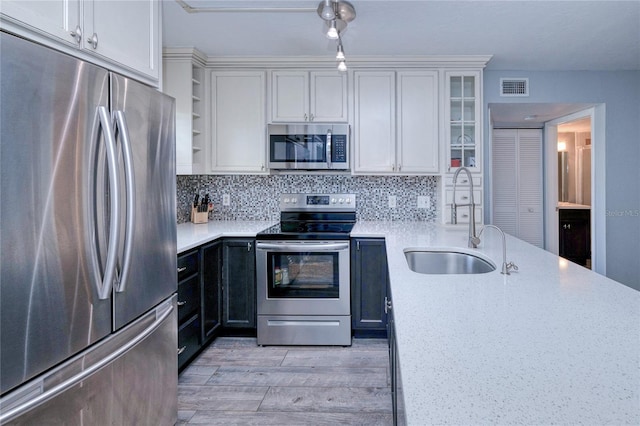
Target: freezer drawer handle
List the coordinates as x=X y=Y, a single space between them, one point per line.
x=11 y=414
x=130 y=196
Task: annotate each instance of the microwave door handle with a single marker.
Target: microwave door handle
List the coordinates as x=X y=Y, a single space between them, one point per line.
x=329 y=149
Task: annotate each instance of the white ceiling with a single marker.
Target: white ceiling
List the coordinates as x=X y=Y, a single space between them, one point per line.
x=521 y=35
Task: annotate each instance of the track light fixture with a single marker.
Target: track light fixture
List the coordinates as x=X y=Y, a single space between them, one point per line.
x=340 y=54
x=337 y=14
x=332 y=32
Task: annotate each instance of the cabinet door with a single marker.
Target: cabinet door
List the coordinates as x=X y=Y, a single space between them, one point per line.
x=238 y=122
x=328 y=96
x=57 y=18
x=369 y=281
x=374 y=122
x=211 y=290
x=290 y=96
x=127 y=32
x=239 y=283
x=462 y=118
x=575 y=240
x=417 y=146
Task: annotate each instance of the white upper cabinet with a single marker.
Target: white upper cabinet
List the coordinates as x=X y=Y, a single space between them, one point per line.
x=238 y=122
x=374 y=122
x=124 y=32
x=120 y=35
x=184 y=80
x=462 y=109
x=53 y=18
x=417 y=144
x=396 y=122
x=301 y=96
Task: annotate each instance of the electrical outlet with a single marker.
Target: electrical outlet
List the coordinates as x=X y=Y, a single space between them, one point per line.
x=424 y=202
x=226 y=200
x=392 y=201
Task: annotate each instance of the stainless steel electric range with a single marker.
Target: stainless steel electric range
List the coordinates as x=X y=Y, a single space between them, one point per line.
x=303 y=272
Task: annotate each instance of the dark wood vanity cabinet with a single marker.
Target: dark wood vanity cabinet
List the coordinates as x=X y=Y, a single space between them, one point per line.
x=575 y=235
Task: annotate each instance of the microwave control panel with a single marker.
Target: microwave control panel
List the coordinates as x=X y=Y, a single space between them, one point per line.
x=339 y=148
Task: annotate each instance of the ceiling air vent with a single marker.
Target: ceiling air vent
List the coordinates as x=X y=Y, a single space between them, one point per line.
x=514 y=87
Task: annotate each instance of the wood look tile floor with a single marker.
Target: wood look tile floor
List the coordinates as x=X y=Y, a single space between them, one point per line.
x=236 y=382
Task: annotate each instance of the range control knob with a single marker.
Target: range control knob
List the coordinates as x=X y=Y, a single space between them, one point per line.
x=333 y=201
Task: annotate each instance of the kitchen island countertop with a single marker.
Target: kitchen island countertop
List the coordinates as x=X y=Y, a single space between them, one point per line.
x=191 y=235
x=553 y=343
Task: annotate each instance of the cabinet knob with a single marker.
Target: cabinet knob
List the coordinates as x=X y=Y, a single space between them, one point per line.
x=181 y=303
x=77 y=34
x=311 y=117
x=184 y=268
x=248 y=246
x=93 y=41
x=387 y=305
x=305 y=117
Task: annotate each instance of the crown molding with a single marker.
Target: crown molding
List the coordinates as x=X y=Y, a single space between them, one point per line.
x=184 y=54
x=353 y=62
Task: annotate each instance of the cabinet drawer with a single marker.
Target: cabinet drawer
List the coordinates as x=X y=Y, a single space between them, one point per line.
x=188 y=340
x=187 y=265
x=463 y=215
x=462 y=196
x=188 y=298
x=463 y=180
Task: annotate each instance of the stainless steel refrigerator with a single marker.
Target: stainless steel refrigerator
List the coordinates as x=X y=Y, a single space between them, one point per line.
x=88 y=243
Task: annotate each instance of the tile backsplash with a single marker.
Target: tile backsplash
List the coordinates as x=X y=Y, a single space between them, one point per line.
x=255 y=197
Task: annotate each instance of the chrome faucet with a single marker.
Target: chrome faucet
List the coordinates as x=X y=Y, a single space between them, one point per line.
x=473 y=239
x=506 y=266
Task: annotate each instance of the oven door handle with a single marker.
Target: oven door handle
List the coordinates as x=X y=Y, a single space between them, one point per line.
x=302 y=247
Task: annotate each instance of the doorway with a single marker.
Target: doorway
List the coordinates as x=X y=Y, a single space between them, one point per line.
x=574 y=187
x=548 y=116
x=574 y=191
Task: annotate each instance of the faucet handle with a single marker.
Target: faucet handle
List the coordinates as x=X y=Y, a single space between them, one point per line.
x=511 y=266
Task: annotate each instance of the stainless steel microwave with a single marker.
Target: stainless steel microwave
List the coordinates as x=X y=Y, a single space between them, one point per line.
x=308 y=146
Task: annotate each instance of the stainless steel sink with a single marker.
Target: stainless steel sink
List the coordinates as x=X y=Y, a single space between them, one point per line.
x=428 y=261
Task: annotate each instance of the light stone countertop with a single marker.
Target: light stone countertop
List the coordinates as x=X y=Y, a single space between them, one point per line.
x=190 y=235
x=572 y=206
x=553 y=343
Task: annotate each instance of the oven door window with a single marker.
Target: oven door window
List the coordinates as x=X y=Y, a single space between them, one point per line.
x=307 y=275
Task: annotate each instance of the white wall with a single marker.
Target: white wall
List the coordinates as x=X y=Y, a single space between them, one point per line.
x=620 y=92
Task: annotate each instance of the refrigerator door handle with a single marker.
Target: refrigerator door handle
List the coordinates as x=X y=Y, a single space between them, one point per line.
x=104 y=287
x=162 y=312
x=130 y=194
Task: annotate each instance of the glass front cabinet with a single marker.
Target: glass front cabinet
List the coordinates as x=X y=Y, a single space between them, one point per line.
x=463 y=121
x=463 y=137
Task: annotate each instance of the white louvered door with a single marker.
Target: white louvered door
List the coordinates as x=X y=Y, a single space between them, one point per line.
x=517 y=183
